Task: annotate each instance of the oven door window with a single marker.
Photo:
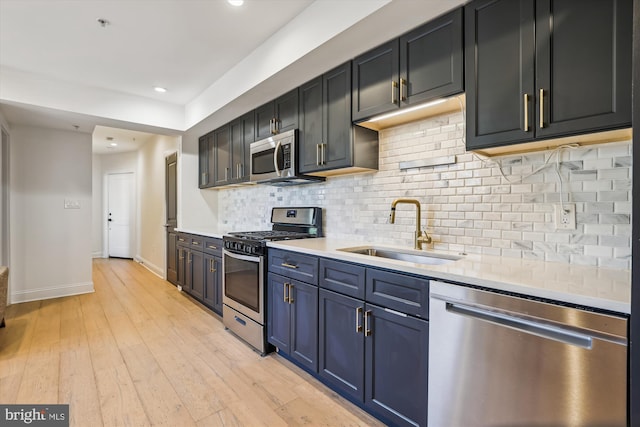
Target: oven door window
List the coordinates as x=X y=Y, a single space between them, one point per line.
x=242 y=281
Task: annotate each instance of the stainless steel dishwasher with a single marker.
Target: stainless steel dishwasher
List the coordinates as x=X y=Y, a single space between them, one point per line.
x=500 y=360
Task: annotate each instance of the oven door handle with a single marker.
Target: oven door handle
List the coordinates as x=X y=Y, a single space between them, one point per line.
x=241 y=257
x=275 y=158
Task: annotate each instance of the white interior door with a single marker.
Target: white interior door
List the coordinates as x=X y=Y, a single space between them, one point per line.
x=120 y=215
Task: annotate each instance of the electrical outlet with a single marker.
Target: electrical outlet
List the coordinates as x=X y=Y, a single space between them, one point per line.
x=566 y=216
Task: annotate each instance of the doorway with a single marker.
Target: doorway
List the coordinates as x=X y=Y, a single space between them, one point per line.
x=120 y=215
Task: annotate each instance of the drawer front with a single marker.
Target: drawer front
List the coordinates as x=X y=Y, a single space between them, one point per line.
x=406 y=294
x=196 y=242
x=184 y=239
x=213 y=246
x=342 y=277
x=294 y=265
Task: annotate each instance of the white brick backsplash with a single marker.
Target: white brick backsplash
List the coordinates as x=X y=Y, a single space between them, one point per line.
x=467 y=206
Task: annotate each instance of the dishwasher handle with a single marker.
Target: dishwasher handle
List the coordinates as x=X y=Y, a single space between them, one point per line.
x=547 y=331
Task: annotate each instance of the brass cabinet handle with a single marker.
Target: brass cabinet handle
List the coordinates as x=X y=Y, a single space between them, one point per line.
x=212 y=266
x=394 y=85
x=285 y=287
x=403 y=84
x=284 y=264
x=290 y=293
x=324 y=153
x=367 y=326
x=180 y=254
x=190 y=255
x=318 y=154
x=212 y=247
x=358 y=315
x=526 y=112
x=195 y=243
x=203 y=178
x=541 y=108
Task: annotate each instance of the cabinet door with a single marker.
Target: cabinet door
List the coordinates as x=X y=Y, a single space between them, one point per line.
x=278 y=312
x=375 y=81
x=431 y=60
x=341 y=342
x=303 y=299
x=212 y=293
x=286 y=111
x=583 y=65
x=499 y=64
x=173 y=256
x=182 y=267
x=196 y=273
x=236 y=128
x=264 y=116
x=397 y=357
x=222 y=138
x=241 y=137
x=203 y=161
x=338 y=150
x=310 y=134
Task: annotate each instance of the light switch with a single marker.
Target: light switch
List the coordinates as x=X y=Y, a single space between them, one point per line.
x=71 y=204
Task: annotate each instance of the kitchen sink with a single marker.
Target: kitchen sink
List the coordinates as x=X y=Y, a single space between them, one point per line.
x=418 y=257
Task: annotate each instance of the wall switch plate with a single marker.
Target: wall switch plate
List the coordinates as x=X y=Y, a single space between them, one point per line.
x=565 y=216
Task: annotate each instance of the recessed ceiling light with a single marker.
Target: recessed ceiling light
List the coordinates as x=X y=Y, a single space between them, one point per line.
x=159 y=89
x=235 y=2
x=113 y=144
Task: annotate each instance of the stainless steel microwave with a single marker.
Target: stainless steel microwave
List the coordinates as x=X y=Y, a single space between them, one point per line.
x=274 y=160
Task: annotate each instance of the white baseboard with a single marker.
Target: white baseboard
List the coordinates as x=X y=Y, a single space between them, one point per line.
x=97 y=254
x=158 y=271
x=51 y=292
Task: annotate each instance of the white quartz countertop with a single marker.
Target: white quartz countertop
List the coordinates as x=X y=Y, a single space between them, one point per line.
x=601 y=288
x=202 y=232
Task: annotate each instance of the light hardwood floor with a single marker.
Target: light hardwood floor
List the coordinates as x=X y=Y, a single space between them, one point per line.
x=138 y=352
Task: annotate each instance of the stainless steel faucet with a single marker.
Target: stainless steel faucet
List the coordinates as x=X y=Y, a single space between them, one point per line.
x=420 y=237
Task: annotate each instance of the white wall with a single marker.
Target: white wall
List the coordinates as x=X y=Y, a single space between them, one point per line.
x=151 y=202
x=50 y=247
x=107 y=164
x=196 y=208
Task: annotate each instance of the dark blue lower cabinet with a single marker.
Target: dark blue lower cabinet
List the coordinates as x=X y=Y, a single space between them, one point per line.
x=396 y=366
x=212 y=295
x=292 y=319
x=278 y=313
x=341 y=340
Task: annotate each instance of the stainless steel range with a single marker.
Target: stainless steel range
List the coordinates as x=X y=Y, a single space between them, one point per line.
x=244 y=270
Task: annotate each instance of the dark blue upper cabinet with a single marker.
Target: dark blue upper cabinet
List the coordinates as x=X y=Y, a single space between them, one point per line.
x=277 y=116
x=375 y=81
x=424 y=64
x=431 y=60
x=397 y=357
x=543 y=69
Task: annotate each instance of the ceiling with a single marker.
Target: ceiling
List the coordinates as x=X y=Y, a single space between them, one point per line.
x=56 y=57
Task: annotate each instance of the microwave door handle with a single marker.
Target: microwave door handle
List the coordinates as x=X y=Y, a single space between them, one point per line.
x=275 y=158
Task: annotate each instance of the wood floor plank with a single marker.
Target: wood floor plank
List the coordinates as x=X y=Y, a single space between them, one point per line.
x=119 y=401
x=161 y=403
x=78 y=388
